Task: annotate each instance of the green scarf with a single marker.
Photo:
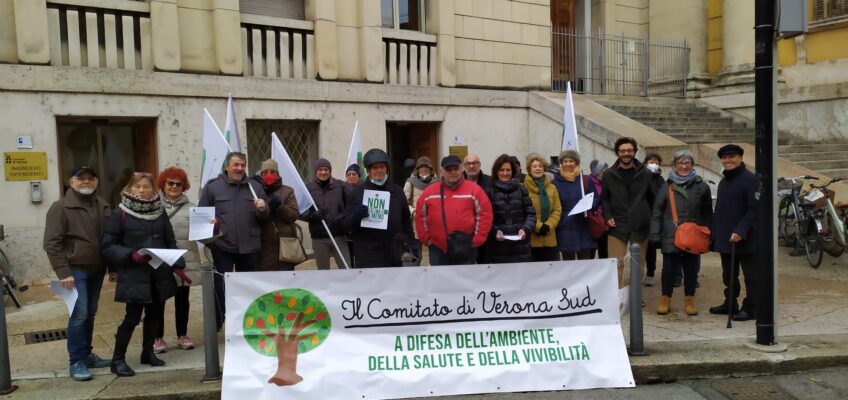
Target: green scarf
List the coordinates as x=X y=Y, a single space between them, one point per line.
x=544 y=201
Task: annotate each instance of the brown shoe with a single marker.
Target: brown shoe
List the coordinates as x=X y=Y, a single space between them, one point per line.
x=689 y=305
x=665 y=305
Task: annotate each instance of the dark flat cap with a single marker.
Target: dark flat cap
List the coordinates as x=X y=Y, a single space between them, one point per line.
x=729 y=149
x=451 y=161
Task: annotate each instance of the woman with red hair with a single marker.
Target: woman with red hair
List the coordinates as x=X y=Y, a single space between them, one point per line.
x=172 y=184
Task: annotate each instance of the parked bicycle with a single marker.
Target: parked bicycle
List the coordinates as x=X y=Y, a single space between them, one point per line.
x=832 y=224
x=9 y=284
x=797 y=225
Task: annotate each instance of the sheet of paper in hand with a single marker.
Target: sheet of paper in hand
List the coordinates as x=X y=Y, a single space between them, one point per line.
x=378 y=209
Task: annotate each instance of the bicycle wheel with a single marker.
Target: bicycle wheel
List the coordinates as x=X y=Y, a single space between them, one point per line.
x=813 y=245
x=792 y=229
x=783 y=211
x=8 y=289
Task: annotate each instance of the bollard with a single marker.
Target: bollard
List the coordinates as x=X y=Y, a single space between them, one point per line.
x=637 y=338
x=210 y=329
x=6 y=385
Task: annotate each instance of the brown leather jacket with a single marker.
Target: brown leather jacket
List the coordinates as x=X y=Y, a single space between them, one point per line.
x=72 y=232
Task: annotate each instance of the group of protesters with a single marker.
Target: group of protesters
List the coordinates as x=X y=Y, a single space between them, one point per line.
x=457 y=215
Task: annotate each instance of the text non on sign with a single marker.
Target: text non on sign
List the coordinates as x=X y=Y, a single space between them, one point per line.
x=25 y=166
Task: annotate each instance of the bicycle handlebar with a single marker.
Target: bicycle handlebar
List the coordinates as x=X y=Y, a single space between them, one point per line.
x=807 y=177
x=834 y=180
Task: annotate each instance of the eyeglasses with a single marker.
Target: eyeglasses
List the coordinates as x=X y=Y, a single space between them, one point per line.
x=469 y=163
x=683 y=163
x=175 y=184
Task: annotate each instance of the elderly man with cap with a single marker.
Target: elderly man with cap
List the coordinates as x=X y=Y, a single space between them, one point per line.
x=453 y=205
x=72 y=233
x=733 y=226
x=374 y=246
x=332 y=197
x=352 y=175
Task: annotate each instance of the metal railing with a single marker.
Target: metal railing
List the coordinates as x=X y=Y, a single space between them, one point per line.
x=618 y=65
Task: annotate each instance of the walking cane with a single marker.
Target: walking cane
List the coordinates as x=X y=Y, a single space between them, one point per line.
x=730 y=294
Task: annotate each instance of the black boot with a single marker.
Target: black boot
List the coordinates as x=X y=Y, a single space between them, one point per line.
x=745 y=314
x=150 y=330
x=119 y=364
x=723 y=308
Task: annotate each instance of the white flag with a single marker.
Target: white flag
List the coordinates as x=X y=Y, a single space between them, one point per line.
x=231 y=128
x=289 y=174
x=569 y=124
x=215 y=150
x=354 y=155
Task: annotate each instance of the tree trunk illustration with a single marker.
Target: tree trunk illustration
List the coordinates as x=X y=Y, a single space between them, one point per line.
x=287 y=350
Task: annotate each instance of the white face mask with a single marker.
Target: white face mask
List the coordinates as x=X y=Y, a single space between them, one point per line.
x=653 y=167
x=380 y=182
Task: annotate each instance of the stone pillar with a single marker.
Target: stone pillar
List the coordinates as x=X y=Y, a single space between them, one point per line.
x=440 y=22
x=737 y=43
x=371 y=41
x=227 y=25
x=323 y=15
x=31 y=31
x=683 y=19
x=166 y=35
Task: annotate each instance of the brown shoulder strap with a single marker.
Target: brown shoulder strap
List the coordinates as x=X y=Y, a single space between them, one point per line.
x=673 y=206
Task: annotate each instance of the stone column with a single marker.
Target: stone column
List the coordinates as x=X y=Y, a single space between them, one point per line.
x=674 y=20
x=737 y=43
x=440 y=22
x=227 y=25
x=323 y=15
x=371 y=41
x=166 y=34
x=31 y=31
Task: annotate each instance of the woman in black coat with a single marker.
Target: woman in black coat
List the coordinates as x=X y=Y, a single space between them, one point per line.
x=513 y=214
x=140 y=224
x=694 y=203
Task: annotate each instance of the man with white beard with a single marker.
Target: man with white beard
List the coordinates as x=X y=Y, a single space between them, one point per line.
x=72 y=233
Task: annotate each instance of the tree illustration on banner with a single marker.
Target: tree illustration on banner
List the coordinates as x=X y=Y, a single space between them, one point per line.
x=285 y=323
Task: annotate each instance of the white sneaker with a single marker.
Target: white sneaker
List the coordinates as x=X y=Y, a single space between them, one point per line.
x=649 y=281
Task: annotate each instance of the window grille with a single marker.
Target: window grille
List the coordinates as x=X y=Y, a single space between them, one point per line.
x=299 y=137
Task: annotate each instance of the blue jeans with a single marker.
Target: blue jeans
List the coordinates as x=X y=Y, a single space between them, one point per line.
x=438 y=257
x=81 y=322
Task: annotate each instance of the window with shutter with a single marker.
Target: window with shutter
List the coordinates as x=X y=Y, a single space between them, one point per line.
x=827 y=10
x=291 y=9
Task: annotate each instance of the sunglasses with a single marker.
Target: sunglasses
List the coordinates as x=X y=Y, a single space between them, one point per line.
x=176 y=184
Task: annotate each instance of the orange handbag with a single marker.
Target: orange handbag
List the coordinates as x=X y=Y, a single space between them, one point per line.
x=689 y=237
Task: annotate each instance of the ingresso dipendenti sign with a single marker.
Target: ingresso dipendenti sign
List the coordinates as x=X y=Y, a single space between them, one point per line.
x=25 y=166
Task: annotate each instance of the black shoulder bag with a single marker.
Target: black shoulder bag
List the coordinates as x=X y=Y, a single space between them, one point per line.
x=459 y=243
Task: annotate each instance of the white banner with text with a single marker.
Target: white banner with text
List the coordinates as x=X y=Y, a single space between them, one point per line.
x=385 y=333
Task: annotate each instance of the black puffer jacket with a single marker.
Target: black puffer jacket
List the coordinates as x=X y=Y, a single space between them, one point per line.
x=126 y=234
x=696 y=206
x=373 y=247
x=512 y=211
x=332 y=198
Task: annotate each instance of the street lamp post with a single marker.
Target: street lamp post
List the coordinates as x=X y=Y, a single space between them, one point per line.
x=766 y=145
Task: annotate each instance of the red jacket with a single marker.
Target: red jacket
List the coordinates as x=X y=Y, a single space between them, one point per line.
x=467 y=209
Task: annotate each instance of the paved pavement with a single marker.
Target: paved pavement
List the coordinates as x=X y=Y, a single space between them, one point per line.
x=812 y=323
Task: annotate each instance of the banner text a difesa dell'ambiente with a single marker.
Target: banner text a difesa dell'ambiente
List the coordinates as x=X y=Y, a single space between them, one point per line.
x=411 y=332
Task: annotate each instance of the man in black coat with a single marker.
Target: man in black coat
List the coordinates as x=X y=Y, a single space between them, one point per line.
x=374 y=247
x=627 y=201
x=733 y=223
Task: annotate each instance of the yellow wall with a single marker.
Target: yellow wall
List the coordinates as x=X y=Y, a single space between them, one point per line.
x=714 y=37
x=827 y=45
x=786 y=55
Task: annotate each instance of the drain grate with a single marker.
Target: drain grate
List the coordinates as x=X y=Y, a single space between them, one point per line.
x=45 y=336
x=753 y=391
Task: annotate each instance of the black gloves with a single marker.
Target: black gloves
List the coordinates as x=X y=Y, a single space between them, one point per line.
x=361 y=211
x=544 y=230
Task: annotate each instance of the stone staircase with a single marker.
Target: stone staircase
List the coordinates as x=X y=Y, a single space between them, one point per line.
x=684 y=120
x=828 y=159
